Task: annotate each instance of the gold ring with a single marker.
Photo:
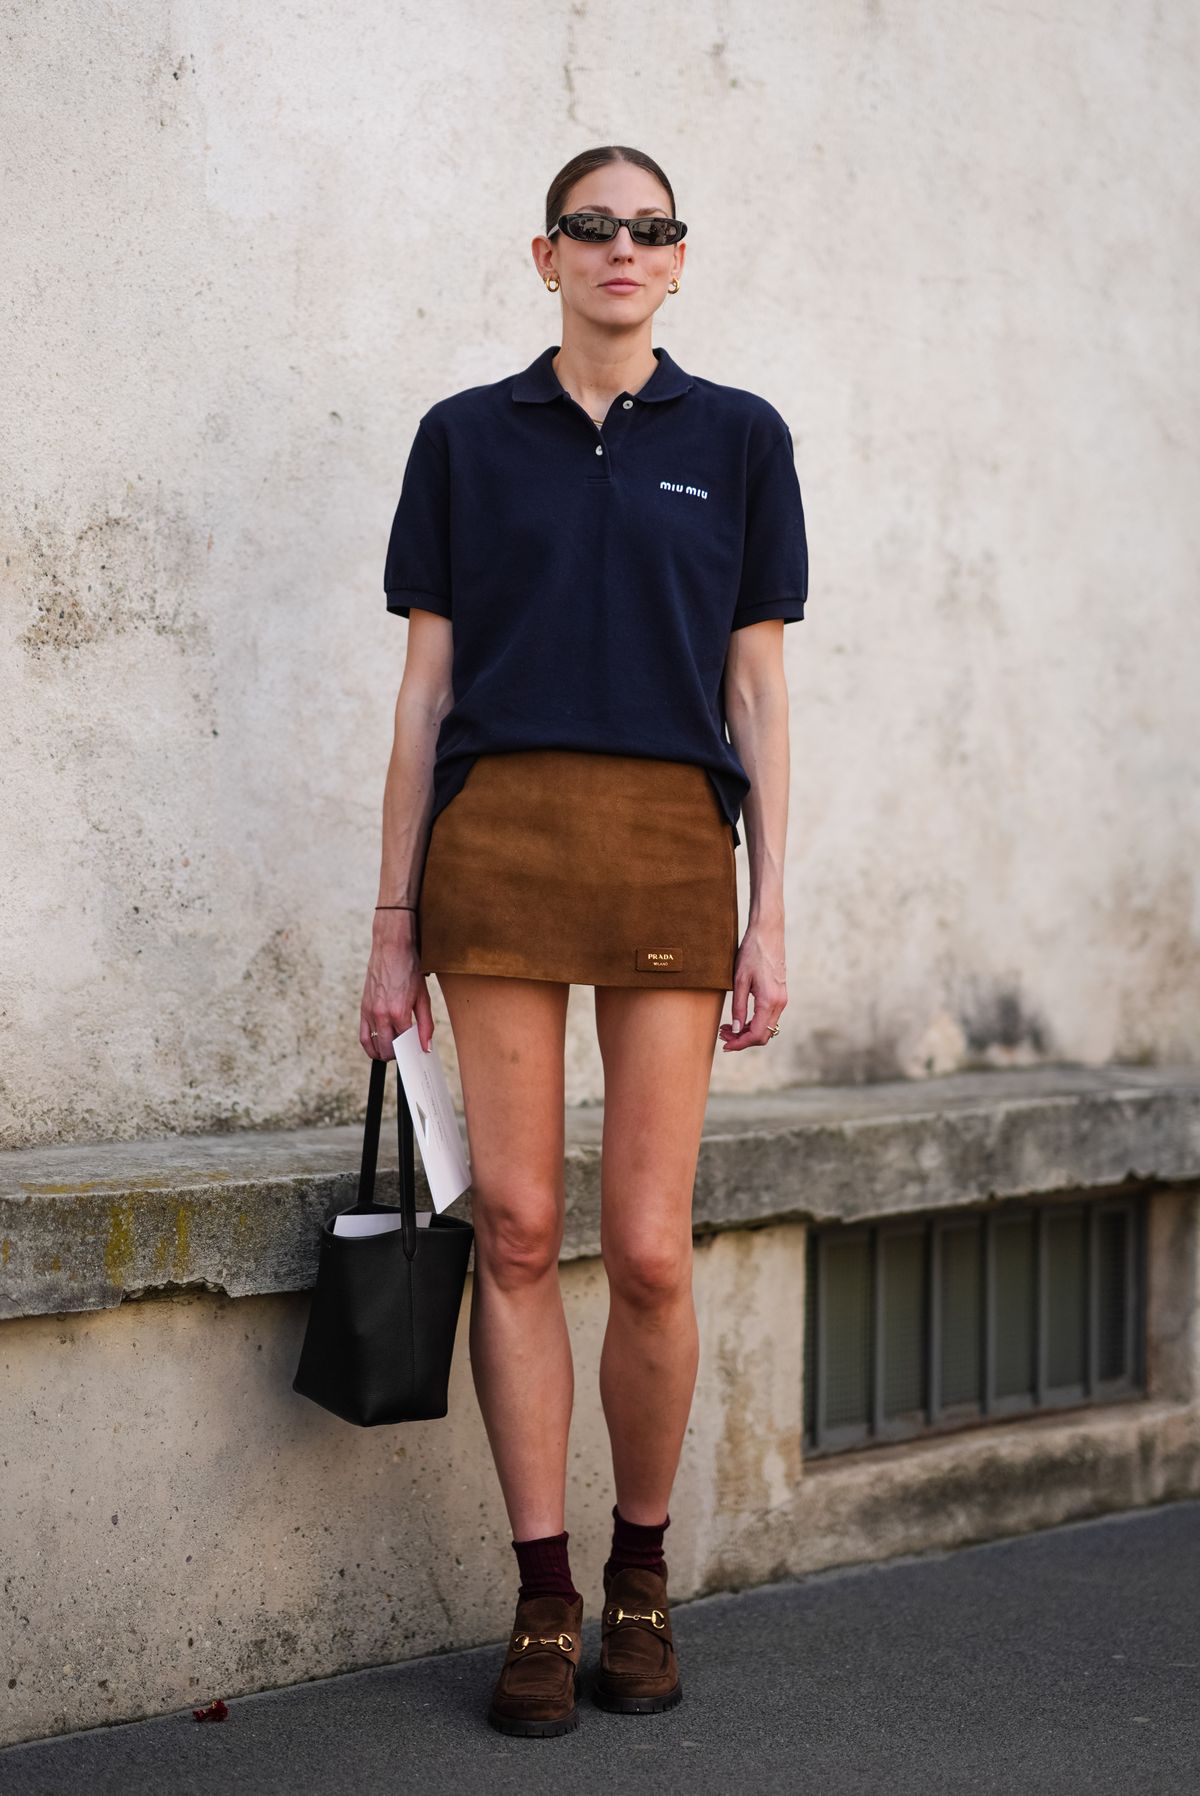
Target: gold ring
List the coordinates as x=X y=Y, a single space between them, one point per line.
x=772 y=1028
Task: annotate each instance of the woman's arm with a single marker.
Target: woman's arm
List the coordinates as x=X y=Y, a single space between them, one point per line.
x=395 y=992
x=756 y=708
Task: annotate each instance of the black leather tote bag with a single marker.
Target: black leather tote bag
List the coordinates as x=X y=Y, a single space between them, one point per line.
x=385 y=1307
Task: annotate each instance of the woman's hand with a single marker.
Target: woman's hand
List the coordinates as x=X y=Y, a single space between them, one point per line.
x=395 y=991
x=759 y=969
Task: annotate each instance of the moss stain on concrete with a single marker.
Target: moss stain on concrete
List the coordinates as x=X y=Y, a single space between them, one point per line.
x=183 y=1233
x=120 y=1245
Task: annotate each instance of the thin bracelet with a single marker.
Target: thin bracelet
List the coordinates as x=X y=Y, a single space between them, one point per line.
x=395 y=907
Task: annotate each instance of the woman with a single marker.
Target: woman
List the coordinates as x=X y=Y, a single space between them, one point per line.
x=597 y=557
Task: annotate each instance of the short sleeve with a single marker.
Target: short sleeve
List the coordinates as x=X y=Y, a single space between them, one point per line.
x=774 y=580
x=417 y=566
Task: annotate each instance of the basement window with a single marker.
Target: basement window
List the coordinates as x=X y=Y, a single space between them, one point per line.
x=928 y=1323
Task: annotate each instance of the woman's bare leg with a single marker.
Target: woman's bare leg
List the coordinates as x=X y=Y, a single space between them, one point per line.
x=509 y=1035
x=657 y=1048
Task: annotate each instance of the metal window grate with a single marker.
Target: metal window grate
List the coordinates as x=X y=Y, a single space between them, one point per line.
x=928 y=1323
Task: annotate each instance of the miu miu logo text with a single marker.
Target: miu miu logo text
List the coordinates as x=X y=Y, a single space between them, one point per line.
x=673 y=486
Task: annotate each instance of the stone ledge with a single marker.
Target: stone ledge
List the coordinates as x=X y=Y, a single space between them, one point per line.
x=89 y=1226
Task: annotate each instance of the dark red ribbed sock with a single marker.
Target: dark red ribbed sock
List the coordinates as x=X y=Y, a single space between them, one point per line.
x=545 y=1568
x=637 y=1543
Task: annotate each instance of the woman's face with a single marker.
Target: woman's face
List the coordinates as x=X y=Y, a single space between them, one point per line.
x=619 y=282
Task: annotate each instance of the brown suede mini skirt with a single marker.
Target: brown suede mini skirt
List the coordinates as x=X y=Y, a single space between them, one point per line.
x=588 y=868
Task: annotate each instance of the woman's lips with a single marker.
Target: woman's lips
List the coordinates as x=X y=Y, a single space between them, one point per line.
x=622 y=286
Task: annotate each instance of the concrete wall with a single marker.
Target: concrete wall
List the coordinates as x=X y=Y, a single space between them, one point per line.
x=956 y=247
x=180 y=1525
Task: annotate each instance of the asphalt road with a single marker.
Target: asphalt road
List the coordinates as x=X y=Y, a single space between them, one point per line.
x=1066 y=1661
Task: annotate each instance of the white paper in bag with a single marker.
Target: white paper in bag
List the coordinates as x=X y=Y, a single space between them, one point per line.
x=435 y=1123
x=374 y=1222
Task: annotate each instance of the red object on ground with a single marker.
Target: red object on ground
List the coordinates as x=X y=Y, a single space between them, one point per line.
x=216 y=1711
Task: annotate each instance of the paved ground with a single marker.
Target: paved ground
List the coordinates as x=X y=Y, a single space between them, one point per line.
x=1067 y=1661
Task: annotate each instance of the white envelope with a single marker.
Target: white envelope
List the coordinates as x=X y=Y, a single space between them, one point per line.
x=435 y=1123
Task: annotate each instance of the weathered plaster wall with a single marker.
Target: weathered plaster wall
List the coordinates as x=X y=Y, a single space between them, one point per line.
x=245 y=250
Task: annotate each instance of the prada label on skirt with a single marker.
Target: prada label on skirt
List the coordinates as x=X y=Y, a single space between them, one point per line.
x=659 y=960
x=593 y=869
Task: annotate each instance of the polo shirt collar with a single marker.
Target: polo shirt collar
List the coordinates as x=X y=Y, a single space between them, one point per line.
x=539 y=382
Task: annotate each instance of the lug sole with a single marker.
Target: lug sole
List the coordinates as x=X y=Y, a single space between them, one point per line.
x=636 y=1705
x=534 y=1730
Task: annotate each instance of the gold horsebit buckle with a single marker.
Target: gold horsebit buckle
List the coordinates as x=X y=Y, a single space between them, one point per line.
x=521 y=1641
x=614 y=1613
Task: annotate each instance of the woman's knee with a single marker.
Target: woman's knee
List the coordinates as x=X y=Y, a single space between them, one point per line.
x=518 y=1235
x=651 y=1274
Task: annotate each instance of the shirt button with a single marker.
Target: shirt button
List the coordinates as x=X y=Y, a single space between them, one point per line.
x=599 y=449
x=627 y=405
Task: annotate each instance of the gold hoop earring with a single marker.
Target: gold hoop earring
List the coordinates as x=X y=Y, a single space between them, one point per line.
x=673 y=285
x=552 y=283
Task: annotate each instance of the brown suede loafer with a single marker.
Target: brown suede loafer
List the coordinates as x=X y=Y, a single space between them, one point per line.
x=638 y=1673
x=535 y=1692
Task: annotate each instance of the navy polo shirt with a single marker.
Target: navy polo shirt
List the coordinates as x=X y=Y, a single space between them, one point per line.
x=593 y=575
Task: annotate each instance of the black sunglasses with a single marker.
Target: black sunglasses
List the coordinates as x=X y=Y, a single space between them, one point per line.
x=601 y=227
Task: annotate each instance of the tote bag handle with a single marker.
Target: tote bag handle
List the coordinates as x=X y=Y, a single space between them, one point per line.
x=370 y=1154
